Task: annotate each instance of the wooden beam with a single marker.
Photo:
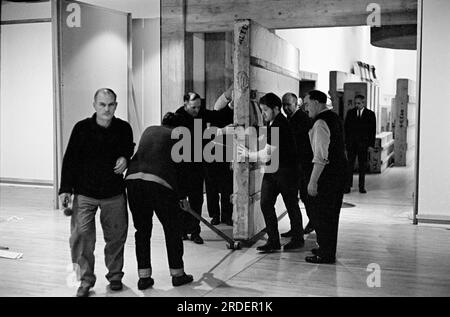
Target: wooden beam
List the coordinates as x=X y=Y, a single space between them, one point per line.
x=172 y=54
x=219 y=15
x=241 y=169
x=214 y=67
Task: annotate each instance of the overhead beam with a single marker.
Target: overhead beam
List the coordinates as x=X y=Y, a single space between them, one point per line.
x=219 y=15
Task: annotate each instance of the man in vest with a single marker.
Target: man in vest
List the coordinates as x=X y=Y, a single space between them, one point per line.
x=327 y=181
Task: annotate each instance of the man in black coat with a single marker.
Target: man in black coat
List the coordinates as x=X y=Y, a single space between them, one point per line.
x=189 y=113
x=300 y=125
x=360 y=130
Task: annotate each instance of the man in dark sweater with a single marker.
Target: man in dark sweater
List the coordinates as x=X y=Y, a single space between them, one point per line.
x=360 y=131
x=300 y=125
x=155 y=184
x=327 y=181
x=283 y=181
x=194 y=116
x=96 y=156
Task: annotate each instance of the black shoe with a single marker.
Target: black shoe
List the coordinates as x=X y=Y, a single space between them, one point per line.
x=215 y=221
x=363 y=191
x=320 y=260
x=181 y=280
x=228 y=222
x=269 y=247
x=115 y=285
x=145 y=283
x=287 y=234
x=315 y=251
x=308 y=229
x=83 y=291
x=294 y=244
x=185 y=237
x=347 y=190
x=196 y=238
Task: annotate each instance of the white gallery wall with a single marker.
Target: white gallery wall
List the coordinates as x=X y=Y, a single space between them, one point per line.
x=326 y=49
x=434 y=158
x=21 y=11
x=26 y=94
x=26 y=105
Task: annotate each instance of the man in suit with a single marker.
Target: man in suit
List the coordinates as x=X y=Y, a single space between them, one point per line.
x=360 y=130
x=300 y=125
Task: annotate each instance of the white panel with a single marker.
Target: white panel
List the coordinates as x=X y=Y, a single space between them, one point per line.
x=94 y=55
x=26 y=105
x=146 y=109
x=265 y=81
x=434 y=173
x=199 y=64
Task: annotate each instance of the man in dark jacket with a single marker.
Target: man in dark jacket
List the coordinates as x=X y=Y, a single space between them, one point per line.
x=360 y=130
x=96 y=156
x=155 y=184
x=283 y=181
x=195 y=118
x=300 y=125
x=327 y=181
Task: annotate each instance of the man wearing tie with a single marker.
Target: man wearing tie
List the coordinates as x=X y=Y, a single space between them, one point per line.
x=360 y=130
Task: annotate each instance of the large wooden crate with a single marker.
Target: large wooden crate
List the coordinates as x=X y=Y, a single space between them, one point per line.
x=337 y=81
x=404 y=122
x=263 y=62
x=382 y=156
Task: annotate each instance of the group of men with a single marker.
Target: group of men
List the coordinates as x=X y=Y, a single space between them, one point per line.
x=312 y=160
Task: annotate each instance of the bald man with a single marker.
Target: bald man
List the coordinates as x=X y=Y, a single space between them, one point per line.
x=300 y=125
x=92 y=173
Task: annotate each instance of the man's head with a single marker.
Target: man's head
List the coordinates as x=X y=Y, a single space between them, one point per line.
x=360 y=102
x=105 y=104
x=270 y=106
x=315 y=101
x=289 y=103
x=192 y=104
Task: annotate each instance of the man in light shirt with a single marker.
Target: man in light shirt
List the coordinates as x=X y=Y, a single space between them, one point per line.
x=327 y=181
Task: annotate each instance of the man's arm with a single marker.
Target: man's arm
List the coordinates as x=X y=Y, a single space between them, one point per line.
x=372 y=129
x=347 y=127
x=126 y=150
x=320 y=143
x=69 y=165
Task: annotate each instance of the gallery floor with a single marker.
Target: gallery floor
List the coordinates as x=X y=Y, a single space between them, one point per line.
x=375 y=231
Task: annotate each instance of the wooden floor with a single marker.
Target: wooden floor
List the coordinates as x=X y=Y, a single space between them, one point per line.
x=414 y=260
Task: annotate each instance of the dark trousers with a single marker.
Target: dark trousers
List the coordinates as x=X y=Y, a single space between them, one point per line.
x=195 y=179
x=305 y=175
x=219 y=182
x=360 y=151
x=144 y=198
x=284 y=182
x=325 y=210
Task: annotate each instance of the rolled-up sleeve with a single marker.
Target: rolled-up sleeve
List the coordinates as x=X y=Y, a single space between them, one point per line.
x=319 y=136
